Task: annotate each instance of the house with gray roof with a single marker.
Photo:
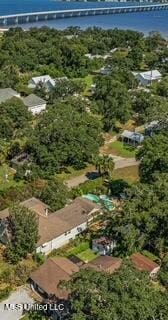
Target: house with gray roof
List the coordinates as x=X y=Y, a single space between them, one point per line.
x=46 y=81
x=7 y=94
x=148 y=77
x=34 y=104
x=132 y=138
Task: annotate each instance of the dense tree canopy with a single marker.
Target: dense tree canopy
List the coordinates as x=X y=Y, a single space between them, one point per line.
x=113 y=100
x=23 y=225
x=55 y=194
x=143 y=223
x=15 y=119
x=163 y=274
x=153 y=156
x=127 y=294
x=149 y=107
x=63 y=137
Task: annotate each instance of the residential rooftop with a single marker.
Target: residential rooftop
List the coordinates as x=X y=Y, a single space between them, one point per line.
x=49 y=275
x=104 y=263
x=143 y=263
x=7 y=94
x=33 y=100
x=134 y=136
x=52 y=225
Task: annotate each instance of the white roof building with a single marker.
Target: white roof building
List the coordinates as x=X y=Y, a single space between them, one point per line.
x=45 y=80
x=146 y=78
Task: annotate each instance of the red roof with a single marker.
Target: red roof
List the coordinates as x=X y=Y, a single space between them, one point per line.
x=143 y=263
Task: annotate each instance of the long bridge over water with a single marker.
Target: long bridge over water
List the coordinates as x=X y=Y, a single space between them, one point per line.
x=20 y=18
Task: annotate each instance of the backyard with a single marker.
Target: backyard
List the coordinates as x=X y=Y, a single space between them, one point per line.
x=117 y=148
x=79 y=249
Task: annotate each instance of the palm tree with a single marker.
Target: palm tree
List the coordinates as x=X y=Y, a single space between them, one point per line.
x=98 y=162
x=108 y=165
x=104 y=165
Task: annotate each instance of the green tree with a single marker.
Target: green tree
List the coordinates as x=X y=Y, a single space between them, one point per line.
x=64 y=137
x=153 y=156
x=23 y=225
x=136 y=55
x=15 y=119
x=162 y=88
x=163 y=273
x=113 y=100
x=127 y=294
x=104 y=165
x=55 y=194
x=142 y=224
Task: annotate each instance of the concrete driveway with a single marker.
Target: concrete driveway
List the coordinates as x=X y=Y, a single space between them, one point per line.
x=21 y=296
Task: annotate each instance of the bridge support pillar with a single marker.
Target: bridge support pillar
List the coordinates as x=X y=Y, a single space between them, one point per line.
x=4 y=22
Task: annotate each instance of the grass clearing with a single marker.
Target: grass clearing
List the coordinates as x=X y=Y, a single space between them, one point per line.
x=87 y=255
x=83 y=246
x=117 y=148
x=129 y=174
x=88 y=81
x=7 y=177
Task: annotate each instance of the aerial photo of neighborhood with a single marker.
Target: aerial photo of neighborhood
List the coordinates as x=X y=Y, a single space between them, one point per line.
x=83 y=160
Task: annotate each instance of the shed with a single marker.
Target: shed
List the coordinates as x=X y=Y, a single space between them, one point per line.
x=132 y=138
x=143 y=263
x=104 y=263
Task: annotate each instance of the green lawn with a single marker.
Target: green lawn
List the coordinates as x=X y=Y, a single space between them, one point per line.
x=75 y=250
x=129 y=174
x=89 y=81
x=117 y=148
x=87 y=255
x=81 y=250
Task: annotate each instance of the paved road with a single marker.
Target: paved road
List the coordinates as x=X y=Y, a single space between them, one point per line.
x=124 y=162
x=119 y=163
x=22 y=295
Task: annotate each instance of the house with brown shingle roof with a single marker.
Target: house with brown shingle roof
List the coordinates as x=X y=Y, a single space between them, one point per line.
x=104 y=263
x=47 y=278
x=56 y=229
x=143 y=263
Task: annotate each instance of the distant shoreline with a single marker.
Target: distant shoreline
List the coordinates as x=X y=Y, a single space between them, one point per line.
x=3 y=29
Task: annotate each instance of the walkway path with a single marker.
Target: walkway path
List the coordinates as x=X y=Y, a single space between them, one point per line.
x=119 y=163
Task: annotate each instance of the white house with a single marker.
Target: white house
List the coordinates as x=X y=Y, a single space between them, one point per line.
x=7 y=94
x=45 y=81
x=148 y=77
x=56 y=229
x=34 y=103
